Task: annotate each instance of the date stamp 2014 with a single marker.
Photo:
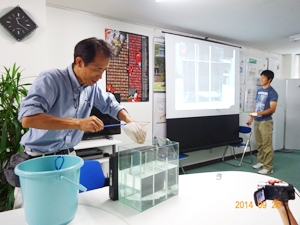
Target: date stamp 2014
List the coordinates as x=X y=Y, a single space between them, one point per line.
x=261 y=205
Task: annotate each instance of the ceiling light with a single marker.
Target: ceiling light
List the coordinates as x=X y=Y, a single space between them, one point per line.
x=295 y=37
x=166 y=0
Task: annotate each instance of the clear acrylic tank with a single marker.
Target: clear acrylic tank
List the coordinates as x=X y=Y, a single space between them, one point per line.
x=148 y=173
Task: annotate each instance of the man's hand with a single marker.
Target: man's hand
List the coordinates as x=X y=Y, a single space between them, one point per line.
x=250 y=121
x=91 y=123
x=278 y=203
x=274 y=181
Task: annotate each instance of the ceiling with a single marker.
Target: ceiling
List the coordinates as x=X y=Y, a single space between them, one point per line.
x=260 y=24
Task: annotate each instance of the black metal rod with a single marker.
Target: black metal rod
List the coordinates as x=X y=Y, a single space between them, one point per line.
x=202 y=39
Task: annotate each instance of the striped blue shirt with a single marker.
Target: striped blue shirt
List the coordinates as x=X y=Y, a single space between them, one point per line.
x=57 y=92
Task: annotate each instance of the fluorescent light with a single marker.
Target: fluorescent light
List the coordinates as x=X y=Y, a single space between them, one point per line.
x=165 y=0
x=295 y=37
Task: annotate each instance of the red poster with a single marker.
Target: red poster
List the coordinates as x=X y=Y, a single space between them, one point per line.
x=128 y=73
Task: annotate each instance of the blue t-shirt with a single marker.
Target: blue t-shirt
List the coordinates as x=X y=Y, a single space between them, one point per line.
x=263 y=99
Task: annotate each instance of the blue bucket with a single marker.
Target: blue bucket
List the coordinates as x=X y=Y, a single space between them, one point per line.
x=50 y=188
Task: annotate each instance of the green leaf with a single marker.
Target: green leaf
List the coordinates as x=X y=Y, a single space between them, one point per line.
x=11 y=198
x=7 y=70
x=21 y=149
x=18 y=78
x=18 y=99
x=13 y=73
x=10 y=91
x=7 y=76
x=4 y=136
x=23 y=91
x=18 y=132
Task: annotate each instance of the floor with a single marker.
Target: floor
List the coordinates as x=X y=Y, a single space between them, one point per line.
x=286 y=167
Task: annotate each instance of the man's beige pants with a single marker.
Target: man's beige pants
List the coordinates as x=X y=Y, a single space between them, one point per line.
x=263 y=134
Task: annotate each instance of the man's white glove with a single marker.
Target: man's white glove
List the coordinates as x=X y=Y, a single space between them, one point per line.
x=137 y=131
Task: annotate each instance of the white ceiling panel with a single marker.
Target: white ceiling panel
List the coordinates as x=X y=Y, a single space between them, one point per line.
x=259 y=24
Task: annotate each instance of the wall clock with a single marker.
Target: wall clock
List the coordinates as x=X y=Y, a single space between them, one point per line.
x=18 y=23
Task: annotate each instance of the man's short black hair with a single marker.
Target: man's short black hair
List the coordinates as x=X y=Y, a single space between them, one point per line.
x=87 y=49
x=268 y=73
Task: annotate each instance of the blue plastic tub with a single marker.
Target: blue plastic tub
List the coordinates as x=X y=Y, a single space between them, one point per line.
x=50 y=188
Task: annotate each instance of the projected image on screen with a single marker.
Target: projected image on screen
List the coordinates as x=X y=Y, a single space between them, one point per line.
x=206 y=80
x=201 y=77
x=202 y=93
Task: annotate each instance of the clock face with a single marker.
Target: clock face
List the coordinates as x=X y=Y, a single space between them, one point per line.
x=18 y=23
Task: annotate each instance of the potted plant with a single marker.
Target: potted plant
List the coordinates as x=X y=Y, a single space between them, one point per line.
x=11 y=130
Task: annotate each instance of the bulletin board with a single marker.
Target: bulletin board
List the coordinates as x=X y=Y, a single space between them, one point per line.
x=253 y=69
x=159 y=89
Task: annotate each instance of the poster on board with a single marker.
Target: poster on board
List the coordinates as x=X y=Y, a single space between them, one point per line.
x=274 y=65
x=242 y=81
x=128 y=72
x=159 y=65
x=242 y=69
x=159 y=115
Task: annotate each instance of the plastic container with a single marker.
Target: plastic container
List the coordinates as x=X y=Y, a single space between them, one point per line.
x=148 y=173
x=50 y=188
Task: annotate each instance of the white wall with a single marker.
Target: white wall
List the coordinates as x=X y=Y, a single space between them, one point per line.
x=287 y=68
x=297 y=67
x=30 y=54
x=290 y=68
x=65 y=28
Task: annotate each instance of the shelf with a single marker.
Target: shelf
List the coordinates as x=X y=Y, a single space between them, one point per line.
x=96 y=143
x=100 y=158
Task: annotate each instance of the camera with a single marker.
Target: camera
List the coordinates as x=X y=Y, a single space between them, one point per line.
x=281 y=191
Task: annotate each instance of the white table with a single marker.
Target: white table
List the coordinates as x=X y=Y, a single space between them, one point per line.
x=201 y=200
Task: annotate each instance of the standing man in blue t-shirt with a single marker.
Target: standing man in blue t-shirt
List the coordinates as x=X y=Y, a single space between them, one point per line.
x=266 y=102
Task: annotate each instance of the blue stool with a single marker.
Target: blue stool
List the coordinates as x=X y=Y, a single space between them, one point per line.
x=181 y=157
x=91 y=175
